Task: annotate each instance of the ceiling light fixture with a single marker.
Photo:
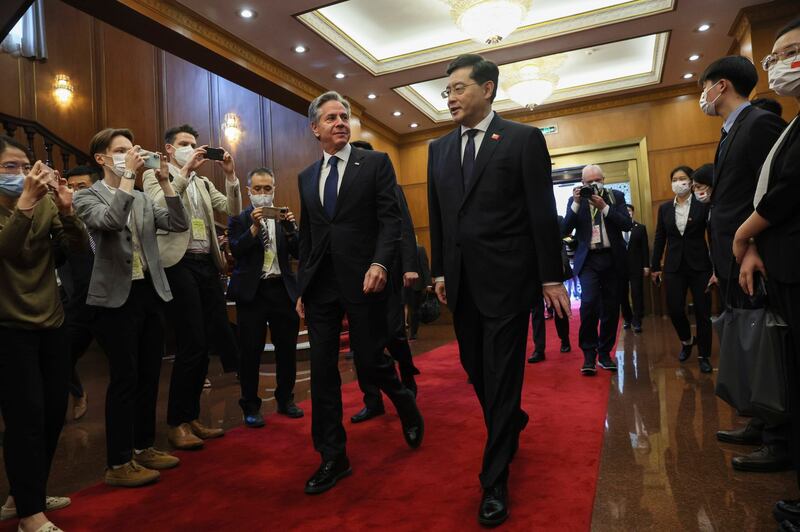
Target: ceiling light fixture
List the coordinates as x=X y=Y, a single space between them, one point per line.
x=339 y=75
x=530 y=83
x=694 y=57
x=688 y=75
x=704 y=27
x=488 y=21
x=300 y=49
x=413 y=125
x=397 y=113
x=372 y=95
x=247 y=13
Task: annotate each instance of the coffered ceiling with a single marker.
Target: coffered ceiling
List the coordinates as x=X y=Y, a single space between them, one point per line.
x=398 y=50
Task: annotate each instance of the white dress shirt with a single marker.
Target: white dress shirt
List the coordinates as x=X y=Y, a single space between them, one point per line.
x=482 y=126
x=682 y=213
x=344 y=156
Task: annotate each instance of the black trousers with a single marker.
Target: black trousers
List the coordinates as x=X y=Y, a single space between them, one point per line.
x=271 y=305
x=677 y=284
x=34 y=378
x=415 y=299
x=599 y=303
x=196 y=312
x=133 y=338
x=325 y=309
x=492 y=352
x=78 y=331
x=538 y=326
x=632 y=289
x=398 y=349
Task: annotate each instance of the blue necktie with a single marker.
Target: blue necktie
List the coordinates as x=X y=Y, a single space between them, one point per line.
x=331 y=187
x=468 y=163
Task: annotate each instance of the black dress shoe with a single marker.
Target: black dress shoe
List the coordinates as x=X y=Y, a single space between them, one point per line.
x=365 y=414
x=626 y=325
x=765 y=459
x=290 y=410
x=606 y=362
x=413 y=425
x=743 y=436
x=565 y=347
x=637 y=329
x=494 y=506
x=787 y=510
x=789 y=526
x=537 y=356
x=589 y=369
x=686 y=351
x=705 y=365
x=327 y=475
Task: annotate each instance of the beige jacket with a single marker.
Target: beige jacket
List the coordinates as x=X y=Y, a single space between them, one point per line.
x=173 y=246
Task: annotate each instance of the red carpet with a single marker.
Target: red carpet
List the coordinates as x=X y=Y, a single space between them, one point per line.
x=253 y=479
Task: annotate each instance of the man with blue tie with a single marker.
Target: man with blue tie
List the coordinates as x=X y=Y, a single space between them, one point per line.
x=349 y=235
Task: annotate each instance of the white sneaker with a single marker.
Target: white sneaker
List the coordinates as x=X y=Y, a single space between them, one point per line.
x=47 y=527
x=51 y=503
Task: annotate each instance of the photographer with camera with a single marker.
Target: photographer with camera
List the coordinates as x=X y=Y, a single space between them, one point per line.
x=598 y=216
x=36 y=221
x=265 y=290
x=127 y=288
x=193 y=263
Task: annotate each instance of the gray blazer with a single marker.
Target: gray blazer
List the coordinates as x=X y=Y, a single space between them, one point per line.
x=106 y=217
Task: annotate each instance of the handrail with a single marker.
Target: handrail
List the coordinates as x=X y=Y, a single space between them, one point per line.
x=31 y=129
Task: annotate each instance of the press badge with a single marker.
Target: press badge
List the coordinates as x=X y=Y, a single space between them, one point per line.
x=138 y=270
x=269 y=258
x=596 y=238
x=199 y=229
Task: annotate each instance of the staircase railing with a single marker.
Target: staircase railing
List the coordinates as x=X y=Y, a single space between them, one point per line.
x=66 y=151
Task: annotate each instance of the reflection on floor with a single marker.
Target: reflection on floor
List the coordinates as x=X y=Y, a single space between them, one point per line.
x=661 y=468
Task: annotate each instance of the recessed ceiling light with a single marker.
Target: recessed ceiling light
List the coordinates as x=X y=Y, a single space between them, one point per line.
x=300 y=49
x=704 y=27
x=372 y=95
x=694 y=57
x=247 y=13
x=397 y=113
x=413 y=125
x=339 y=75
x=688 y=75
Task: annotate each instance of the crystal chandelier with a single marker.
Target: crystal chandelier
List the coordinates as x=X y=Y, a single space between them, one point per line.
x=530 y=83
x=488 y=21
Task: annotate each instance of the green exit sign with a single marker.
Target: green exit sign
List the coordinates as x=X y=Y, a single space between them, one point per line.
x=549 y=130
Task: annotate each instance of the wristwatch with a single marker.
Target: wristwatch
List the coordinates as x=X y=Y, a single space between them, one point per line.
x=129 y=174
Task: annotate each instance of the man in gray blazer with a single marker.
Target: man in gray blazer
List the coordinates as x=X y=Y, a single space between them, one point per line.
x=128 y=288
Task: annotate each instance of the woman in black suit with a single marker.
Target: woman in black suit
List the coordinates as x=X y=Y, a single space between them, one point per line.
x=681 y=229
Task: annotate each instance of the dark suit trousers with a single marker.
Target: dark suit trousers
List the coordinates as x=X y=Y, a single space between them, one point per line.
x=325 y=309
x=414 y=302
x=271 y=305
x=397 y=346
x=599 y=303
x=197 y=310
x=34 y=378
x=492 y=351
x=632 y=289
x=133 y=338
x=677 y=284
x=539 y=330
x=77 y=328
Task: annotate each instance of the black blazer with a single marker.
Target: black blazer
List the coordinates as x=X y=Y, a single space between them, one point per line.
x=779 y=245
x=248 y=250
x=736 y=169
x=690 y=247
x=424 y=270
x=365 y=227
x=617 y=221
x=406 y=258
x=502 y=231
x=638 y=250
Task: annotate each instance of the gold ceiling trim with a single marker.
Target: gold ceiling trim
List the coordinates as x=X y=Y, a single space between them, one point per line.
x=588 y=20
x=559 y=95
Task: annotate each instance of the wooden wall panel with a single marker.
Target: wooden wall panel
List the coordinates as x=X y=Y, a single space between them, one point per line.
x=9 y=98
x=662 y=162
x=414 y=160
x=248 y=152
x=417 y=198
x=381 y=143
x=186 y=94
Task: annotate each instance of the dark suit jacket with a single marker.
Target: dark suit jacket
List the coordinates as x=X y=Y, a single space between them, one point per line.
x=424 y=270
x=690 y=247
x=502 y=232
x=638 y=250
x=406 y=258
x=736 y=169
x=617 y=221
x=779 y=244
x=248 y=250
x=365 y=227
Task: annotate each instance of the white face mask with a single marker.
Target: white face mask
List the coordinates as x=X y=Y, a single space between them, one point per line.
x=261 y=200
x=118 y=163
x=702 y=197
x=784 y=77
x=680 y=188
x=598 y=186
x=183 y=154
x=709 y=108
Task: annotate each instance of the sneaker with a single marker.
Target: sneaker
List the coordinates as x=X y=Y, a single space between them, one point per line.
x=254 y=421
x=152 y=458
x=705 y=365
x=588 y=369
x=607 y=363
x=566 y=347
x=51 y=504
x=130 y=475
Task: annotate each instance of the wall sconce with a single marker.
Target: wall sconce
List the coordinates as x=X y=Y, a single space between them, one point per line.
x=231 y=128
x=62 y=89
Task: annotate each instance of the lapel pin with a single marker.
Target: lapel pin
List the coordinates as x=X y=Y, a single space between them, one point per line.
x=495 y=136
x=356 y=163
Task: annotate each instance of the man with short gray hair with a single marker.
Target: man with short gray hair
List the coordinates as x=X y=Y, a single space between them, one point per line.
x=349 y=235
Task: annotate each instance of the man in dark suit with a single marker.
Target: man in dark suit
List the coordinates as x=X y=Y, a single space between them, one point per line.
x=265 y=290
x=748 y=134
x=404 y=273
x=599 y=217
x=416 y=293
x=495 y=243
x=638 y=251
x=349 y=234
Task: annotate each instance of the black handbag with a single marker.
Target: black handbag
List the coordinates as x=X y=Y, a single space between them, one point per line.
x=770 y=380
x=429 y=310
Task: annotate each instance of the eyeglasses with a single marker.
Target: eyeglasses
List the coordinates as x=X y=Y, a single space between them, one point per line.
x=792 y=51
x=458 y=89
x=14 y=168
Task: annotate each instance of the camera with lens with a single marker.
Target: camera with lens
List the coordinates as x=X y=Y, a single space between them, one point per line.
x=587 y=191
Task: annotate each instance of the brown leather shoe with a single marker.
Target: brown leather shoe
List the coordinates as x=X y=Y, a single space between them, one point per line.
x=181 y=437
x=131 y=475
x=205 y=433
x=152 y=458
x=79 y=406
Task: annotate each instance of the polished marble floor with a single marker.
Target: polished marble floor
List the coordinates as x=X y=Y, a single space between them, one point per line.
x=661 y=467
